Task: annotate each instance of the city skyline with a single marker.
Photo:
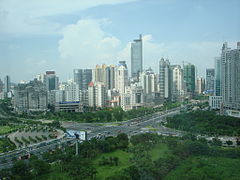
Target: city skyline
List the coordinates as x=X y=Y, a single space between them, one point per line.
x=187 y=31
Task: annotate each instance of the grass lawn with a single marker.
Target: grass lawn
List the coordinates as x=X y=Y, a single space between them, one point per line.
x=5 y=145
x=55 y=174
x=203 y=167
x=107 y=170
x=5 y=129
x=161 y=150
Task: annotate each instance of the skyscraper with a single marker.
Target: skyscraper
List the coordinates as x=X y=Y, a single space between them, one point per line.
x=217 y=77
x=164 y=78
x=121 y=77
x=82 y=77
x=177 y=84
x=105 y=74
x=1 y=85
x=200 y=85
x=189 y=73
x=210 y=76
x=136 y=57
x=51 y=81
x=7 y=83
x=230 y=77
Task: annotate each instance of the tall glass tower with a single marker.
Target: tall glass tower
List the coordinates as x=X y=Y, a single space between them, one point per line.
x=189 y=74
x=136 y=57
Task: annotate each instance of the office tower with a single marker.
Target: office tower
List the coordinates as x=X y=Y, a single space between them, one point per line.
x=217 y=77
x=189 y=74
x=1 y=86
x=121 y=77
x=230 y=77
x=177 y=83
x=109 y=79
x=164 y=78
x=210 y=76
x=51 y=81
x=82 y=77
x=200 y=85
x=136 y=57
x=7 y=85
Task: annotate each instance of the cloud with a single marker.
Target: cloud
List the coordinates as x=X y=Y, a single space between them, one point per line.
x=85 y=44
x=32 y=17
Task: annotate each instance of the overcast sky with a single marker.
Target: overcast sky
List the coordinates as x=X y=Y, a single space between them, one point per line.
x=40 y=35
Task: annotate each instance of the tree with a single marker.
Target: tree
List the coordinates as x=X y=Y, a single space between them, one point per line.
x=122 y=140
x=229 y=143
x=39 y=167
x=21 y=170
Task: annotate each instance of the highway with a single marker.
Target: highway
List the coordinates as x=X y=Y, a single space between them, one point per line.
x=152 y=123
x=131 y=127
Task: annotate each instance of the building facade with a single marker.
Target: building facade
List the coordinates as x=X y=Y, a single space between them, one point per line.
x=164 y=78
x=230 y=77
x=210 y=76
x=136 y=58
x=189 y=74
x=82 y=77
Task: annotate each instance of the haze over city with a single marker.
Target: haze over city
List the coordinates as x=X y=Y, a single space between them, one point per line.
x=38 y=35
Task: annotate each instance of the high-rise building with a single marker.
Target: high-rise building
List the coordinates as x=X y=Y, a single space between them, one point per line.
x=105 y=74
x=82 y=77
x=91 y=95
x=121 y=77
x=51 y=81
x=72 y=92
x=177 y=83
x=189 y=74
x=217 y=77
x=164 y=78
x=101 y=96
x=97 y=96
x=109 y=79
x=136 y=58
x=210 y=76
x=230 y=77
x=148 y=82
x=7 y=84
x=200 y=85
x=1 y=86
x=30 y=97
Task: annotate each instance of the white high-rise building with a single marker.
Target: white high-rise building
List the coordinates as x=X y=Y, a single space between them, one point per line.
x=200 y=85
x=230 y=77
x=97 y=96
x=121 y=77
x=101 y=96
x=72 y=92
x=164 y=78
x=177 y=83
